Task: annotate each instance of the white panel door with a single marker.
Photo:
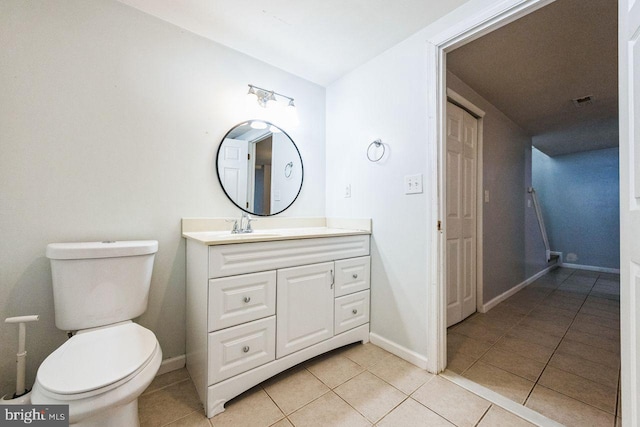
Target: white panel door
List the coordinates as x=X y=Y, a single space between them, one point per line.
x=233 y=170
x=629 y=69
x=461 y=182
x=304 y=305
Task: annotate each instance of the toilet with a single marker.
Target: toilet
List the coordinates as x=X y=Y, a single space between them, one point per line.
x=100 y=372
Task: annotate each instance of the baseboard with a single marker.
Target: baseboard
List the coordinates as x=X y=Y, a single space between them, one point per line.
x=402 y=352
x=503 y=296
x=172 y=364
x=591 y=268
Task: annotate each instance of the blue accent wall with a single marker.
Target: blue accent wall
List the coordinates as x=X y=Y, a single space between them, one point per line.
x=580 y=201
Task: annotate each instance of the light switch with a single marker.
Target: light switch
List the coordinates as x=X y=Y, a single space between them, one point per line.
x=413 y=184
x=347 y=191
x=486 y=196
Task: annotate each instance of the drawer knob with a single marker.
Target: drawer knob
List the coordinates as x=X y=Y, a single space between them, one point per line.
x=355 y=275
x=247 y=299
x=245 y=349
x=354 y=311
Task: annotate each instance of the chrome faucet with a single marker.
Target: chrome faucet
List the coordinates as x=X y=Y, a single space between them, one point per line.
x=243 y=225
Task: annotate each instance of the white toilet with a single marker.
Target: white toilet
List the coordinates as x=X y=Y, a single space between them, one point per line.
x=100 y=372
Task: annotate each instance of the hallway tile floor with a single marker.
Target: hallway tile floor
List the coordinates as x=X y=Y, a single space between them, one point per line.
x=554 y=347
x=357 y=385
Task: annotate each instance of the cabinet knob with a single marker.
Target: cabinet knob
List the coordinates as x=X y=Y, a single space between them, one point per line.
x=355 y=275
x=247 y=299
x=354 y=311
x=245 y=349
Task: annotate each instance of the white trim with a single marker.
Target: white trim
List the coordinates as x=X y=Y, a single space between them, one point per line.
x=462 y=102
x=450 y=32
x=402 y=352
x=505 y=403
x=172 y=364
x=503 y=296
x=591 y=268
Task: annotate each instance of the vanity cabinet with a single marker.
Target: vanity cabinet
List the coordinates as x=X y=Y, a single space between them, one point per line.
x=256 y=309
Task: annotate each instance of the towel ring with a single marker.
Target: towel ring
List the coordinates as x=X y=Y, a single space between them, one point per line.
x=288 y=169
x=377 y=143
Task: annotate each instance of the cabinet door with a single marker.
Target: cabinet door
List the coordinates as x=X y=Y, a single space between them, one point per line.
x=304 y=307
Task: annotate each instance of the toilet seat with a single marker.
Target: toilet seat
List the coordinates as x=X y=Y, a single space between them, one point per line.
x=97 y=360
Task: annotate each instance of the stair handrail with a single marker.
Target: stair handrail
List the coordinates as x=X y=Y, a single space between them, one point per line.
x=543 y=229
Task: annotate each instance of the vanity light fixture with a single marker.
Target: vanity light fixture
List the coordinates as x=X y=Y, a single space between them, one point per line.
x=267 y=98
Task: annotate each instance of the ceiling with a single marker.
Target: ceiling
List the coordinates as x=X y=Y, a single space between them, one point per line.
x=317 y=40
x=532 y=68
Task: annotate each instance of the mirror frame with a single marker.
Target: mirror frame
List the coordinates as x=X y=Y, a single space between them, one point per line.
x=294 y=146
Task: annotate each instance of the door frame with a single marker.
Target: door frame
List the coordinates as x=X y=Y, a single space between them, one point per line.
x=455 y=32
x=459 y=100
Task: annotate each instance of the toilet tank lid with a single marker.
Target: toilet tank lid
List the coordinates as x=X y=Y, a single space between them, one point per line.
x=105 y=249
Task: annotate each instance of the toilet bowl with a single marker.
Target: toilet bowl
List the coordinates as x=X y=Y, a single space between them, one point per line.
x=100 y=373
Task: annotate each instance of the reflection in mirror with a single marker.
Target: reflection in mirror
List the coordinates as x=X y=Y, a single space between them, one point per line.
x=260 y=168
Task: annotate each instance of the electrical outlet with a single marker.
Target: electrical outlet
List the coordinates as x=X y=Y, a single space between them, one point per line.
x=413 y=184
x=347 y=191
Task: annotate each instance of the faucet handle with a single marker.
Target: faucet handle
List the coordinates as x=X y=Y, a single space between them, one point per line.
x=235 y=225
x=249 y=220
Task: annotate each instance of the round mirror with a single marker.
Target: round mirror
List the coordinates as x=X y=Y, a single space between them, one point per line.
x=260 y=168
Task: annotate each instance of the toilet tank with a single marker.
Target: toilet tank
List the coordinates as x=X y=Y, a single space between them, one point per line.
x=100 y=283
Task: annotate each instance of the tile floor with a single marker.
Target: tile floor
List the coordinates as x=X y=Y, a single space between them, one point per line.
x=357 y=385
x=554 y=347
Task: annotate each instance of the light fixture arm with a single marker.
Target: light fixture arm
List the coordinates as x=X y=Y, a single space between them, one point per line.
x=264 y=95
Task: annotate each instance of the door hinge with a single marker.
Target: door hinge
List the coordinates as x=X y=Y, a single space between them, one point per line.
x=439 y=225
x=249 y=156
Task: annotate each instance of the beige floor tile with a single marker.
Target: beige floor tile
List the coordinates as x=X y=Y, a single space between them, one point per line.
x=509 y=385
x=595 y=329
x=401 y=374
x=370 y=396
x=412 y=414
x=586 y=369
x=544 y=326
x=459 y=362
x=582 y=389
x=592 y=354
x=514 y=363
x=612 y=345
x=452 y=402
x=498 y=417
x=534 y=336
x=602 y=321
x=568 y=294
x=251 y=408
x=293 y=389
x=553 y=314
x=195 y=419
x=328 y=410
x=334 y=369
x=457 y=344
x=604 y=302
x=283 y=423
x=479 y=331
x=566 y=410
x=524 y=348
x=592 y=311
x=168 y=404
x=169 y=378
x=366 y=354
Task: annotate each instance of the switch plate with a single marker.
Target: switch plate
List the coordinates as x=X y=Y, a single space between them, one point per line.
x=413 y=184
x=347 y=191
x=486 y=196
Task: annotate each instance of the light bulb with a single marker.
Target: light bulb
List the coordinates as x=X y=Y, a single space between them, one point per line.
x=258 y=124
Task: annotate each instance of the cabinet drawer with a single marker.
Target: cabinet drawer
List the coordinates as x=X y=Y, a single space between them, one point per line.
x=240 y=299
x=230 y=260
x=351 y=311
x=352 y=275
x=238 y=349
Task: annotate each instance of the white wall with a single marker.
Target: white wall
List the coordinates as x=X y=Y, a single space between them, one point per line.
x=109 y=124
x=386 y=98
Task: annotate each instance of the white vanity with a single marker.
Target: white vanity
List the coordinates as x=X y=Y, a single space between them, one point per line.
x=260 y=303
